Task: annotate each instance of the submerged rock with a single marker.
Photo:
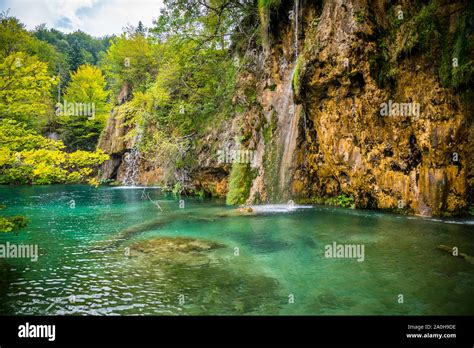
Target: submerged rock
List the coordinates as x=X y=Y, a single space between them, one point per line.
x=455 y=252
x=155 y=224
x=178 y=250
x=246 y=210
x=175 y=244
x=243 y=211
x=207 y=283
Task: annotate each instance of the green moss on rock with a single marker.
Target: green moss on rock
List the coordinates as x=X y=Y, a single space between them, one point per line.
x=240 y=182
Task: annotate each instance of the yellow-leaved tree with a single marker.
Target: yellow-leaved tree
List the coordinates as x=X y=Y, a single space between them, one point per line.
x=84 y=109
x=25 y=89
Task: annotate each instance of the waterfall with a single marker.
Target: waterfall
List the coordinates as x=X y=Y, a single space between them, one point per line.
x=288 y=119
x=132 y=163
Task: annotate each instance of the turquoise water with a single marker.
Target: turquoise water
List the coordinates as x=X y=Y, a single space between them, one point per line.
x=272 y=261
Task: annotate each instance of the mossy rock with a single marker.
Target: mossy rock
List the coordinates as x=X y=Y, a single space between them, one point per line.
x=175 y=244
x=240 y=182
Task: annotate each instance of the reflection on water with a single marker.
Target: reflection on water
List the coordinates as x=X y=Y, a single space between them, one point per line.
x=115 y=253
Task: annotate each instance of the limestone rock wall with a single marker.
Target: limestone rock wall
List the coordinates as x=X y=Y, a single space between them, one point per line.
x=417 y=160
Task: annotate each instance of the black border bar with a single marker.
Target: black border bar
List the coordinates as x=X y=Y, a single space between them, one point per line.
x=224 y=330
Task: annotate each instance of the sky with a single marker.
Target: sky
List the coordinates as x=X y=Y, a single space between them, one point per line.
x=95 y=17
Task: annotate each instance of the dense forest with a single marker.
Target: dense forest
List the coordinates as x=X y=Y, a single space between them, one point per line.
x=179 y=77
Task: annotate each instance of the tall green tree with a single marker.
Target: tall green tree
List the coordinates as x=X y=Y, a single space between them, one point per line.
x=132 y=59
x=77 y=48
x=25 y=89
x=15 y=38
x=86 y=92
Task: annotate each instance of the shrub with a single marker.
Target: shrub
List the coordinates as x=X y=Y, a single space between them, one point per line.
x=29 y=158
x=344 y=201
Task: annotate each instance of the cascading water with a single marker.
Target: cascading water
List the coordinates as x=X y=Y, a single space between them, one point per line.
x=288 y=118
x=132 y=163
x=288 y=122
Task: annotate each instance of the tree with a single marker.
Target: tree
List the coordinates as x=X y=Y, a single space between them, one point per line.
x=88 y=86
x=75 y=48
x=85 y=108
x=141 y=30
x=211 y=22
x=13 y=36
x=29 y=158
x=131 y=59
x=181 y=76
x=25 y=89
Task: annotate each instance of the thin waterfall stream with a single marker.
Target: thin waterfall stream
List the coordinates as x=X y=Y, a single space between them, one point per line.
x=288 y=118
x=132 y=164
x=289 y=132
x=131 y=161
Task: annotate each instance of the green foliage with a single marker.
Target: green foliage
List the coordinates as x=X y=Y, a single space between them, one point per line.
x=344 y=201
x=296 y=82
x=240 y=182
x=29 y=67
x=381 y=69
x=13 y=35
x=193 y=85
x=12 y=224
x=77 y=48
x=315 y=22
x=177 y=189
x=268 y=4
x=207 y=23
x=460 y=47
x=271 y=156
x=265 y=8
x=14 y=38
x=176 y=80
x=201 y=193
x=402 y=38
x=87 y=87
x=426 y=32
x=132 y=60
x=25 y=87
x=28 y=158
x=190 y=91
x=270 y=129
x=165 y=150
x=424 y=28
x=360 y=16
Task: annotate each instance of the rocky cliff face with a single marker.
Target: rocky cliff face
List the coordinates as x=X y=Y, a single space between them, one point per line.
x=128 y=166
x=352 y=99
x=403 y=145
